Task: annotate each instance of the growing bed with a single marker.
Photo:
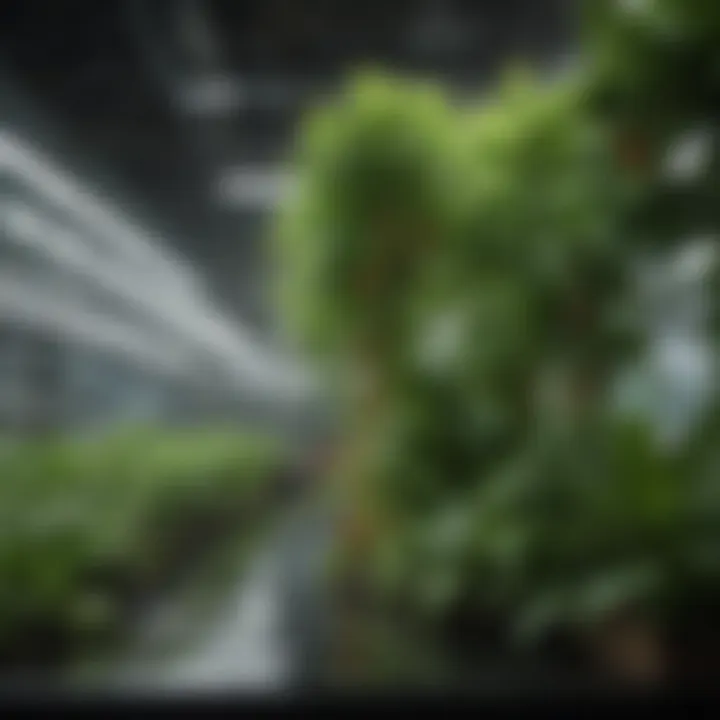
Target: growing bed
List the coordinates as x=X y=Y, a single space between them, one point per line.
x=93 y=528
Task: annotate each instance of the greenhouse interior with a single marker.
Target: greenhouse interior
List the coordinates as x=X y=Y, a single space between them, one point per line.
x=359 y=346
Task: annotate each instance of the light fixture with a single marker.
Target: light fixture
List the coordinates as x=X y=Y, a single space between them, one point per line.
x=64 y=247
x=26 y=304
x=170 y=293
x=189 y=318
x=121 y=238
x=254 y=186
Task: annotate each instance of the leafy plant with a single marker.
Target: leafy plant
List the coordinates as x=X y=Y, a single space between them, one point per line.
x=77 y=511
x=506 y=477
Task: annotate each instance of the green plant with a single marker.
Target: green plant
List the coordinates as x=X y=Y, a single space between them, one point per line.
x=506 y=477
x=79 y=516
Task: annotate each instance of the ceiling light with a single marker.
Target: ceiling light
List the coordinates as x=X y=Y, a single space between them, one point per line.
x=121 y=237
x=254 y=187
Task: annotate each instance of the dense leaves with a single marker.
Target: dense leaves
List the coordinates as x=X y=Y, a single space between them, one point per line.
x=502 y=242
x=79 y=516
x=375 y=185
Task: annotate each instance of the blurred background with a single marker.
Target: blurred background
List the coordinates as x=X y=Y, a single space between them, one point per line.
x=142 y=149
x=173 y=119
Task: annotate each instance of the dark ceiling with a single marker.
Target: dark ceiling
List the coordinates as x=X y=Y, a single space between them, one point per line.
x=109 y=73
